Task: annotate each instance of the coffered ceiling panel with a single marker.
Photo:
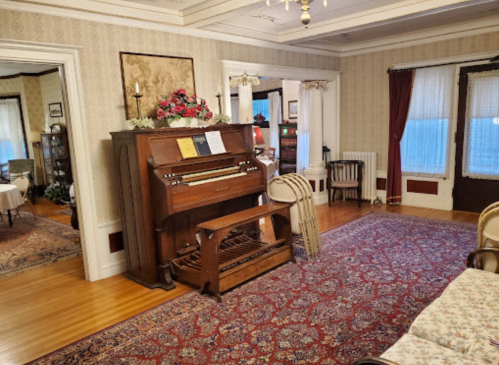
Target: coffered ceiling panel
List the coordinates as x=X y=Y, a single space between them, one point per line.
x=405 y=26
x=275 y=19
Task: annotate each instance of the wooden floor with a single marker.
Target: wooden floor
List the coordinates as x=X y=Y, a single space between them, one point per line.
x=47 y=209
x=44 y=309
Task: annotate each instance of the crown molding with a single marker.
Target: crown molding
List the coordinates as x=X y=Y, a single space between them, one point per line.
x=150 y=25
x=430 y=36
x=262 y=39
x=118 y=8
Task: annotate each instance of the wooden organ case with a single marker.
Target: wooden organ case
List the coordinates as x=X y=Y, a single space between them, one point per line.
x=196 y=219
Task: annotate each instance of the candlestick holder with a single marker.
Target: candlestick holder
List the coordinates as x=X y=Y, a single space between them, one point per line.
x=137 y=97
x=219 y=96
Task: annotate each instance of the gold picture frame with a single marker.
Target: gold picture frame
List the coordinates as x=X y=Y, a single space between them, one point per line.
x=156 y=75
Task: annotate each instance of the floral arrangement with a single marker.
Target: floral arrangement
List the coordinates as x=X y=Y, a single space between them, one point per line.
x=221 y=118
x=259 y=118
x=142 y=122
x=54 y=192
x=180 y=105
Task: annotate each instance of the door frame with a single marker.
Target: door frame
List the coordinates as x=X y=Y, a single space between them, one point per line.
x=69 y=59
x=455 y=135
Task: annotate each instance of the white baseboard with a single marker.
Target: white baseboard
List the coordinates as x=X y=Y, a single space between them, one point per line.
x=111 y=263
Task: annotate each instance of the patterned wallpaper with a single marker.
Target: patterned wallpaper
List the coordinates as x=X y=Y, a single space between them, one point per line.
x=51 y=91
x=364 y=89
x=101 y=76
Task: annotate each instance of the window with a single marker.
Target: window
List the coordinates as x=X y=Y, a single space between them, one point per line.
x=481 y=147
x=261 y=106
x=12 y=143
x=425 y=143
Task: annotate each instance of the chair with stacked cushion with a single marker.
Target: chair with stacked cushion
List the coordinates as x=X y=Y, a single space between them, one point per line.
x=23 y=185
x=23 y=168
x=344 y=175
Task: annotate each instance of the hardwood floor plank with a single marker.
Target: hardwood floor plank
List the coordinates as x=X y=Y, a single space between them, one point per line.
x=46 y=308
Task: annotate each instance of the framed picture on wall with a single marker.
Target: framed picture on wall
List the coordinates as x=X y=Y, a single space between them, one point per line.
x=55 y=110
x=293 y=109
x=155 y=75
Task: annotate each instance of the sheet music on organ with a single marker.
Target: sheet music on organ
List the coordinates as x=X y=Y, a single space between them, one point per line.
x=215 y=142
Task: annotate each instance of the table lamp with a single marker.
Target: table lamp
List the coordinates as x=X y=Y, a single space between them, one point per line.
x=257 y=139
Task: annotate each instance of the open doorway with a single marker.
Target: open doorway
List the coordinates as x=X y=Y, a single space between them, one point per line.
x=274 y=114
x=39 y=223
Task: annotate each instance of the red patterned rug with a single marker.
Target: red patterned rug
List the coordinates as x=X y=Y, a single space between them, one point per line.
x=375 y=275
x=34 y=242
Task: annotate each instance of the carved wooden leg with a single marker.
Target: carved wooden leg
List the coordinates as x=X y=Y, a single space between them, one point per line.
x=165 y=277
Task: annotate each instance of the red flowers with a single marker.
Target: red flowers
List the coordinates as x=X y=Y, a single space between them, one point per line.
x=181 y=105
x=190 y=113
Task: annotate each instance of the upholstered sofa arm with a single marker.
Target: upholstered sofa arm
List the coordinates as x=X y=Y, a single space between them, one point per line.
x=472 y=256
x=371 y=360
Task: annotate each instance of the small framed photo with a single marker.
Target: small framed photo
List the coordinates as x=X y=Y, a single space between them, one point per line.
x=55 y=110
x=293 y=109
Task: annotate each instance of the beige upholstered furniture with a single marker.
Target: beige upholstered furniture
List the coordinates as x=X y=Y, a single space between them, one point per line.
x=10 y=198
x=456 y=328
x=488 y=236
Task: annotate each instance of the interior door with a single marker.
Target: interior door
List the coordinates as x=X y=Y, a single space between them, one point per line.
x=476 y=182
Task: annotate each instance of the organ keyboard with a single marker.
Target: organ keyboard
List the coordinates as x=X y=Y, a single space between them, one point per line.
x=166 y=199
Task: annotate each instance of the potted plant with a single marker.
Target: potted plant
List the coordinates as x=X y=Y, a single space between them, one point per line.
x=221 y=119
x=54 y=193
x=182 y=110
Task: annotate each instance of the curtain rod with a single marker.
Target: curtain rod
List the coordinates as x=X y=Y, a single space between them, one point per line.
x=493 y=59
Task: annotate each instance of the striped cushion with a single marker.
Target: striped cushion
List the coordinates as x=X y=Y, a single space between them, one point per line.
x=14 y=175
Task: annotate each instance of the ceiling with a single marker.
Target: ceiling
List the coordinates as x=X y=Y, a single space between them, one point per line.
x=12 y=68
x=342 y=27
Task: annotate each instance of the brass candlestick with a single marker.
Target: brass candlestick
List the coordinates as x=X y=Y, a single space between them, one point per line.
x=219 y=96
x=137 y=97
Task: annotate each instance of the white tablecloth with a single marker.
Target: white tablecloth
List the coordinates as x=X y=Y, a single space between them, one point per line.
x=10 y=197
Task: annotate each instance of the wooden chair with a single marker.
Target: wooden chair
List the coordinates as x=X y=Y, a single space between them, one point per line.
x=269 y=152
x=23 y=185
x=344 y=175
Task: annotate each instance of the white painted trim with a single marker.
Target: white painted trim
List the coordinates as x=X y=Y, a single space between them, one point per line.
x=437 y=61
x=234 y=68
x=142 y=24
x=111 y=263
x=69 y=58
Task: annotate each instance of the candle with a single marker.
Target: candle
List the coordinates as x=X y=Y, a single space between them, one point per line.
x=137 y=88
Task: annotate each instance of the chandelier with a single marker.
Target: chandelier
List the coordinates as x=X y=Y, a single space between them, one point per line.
x=244 y=80
x=305 y=18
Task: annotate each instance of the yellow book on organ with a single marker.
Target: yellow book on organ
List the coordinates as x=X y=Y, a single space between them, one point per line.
x=187 y=147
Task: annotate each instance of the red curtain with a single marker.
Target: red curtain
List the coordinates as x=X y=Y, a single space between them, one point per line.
x=400 y=100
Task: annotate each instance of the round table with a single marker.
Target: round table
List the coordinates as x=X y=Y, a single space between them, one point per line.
x=10 y=198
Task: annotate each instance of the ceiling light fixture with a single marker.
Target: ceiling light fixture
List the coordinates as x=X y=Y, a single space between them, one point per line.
x=305 y=6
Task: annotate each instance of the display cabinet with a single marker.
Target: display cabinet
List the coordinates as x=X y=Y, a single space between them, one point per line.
x=288 y=142
x=57 y=163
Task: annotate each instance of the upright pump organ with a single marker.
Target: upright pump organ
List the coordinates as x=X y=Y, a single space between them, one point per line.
x=196 y=219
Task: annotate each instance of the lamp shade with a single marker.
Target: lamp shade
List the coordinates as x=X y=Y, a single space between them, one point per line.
x=34 y=137
x=257 y=136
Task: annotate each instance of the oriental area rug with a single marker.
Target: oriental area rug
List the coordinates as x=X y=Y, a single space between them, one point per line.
x=30 y=243
x=374 y=276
